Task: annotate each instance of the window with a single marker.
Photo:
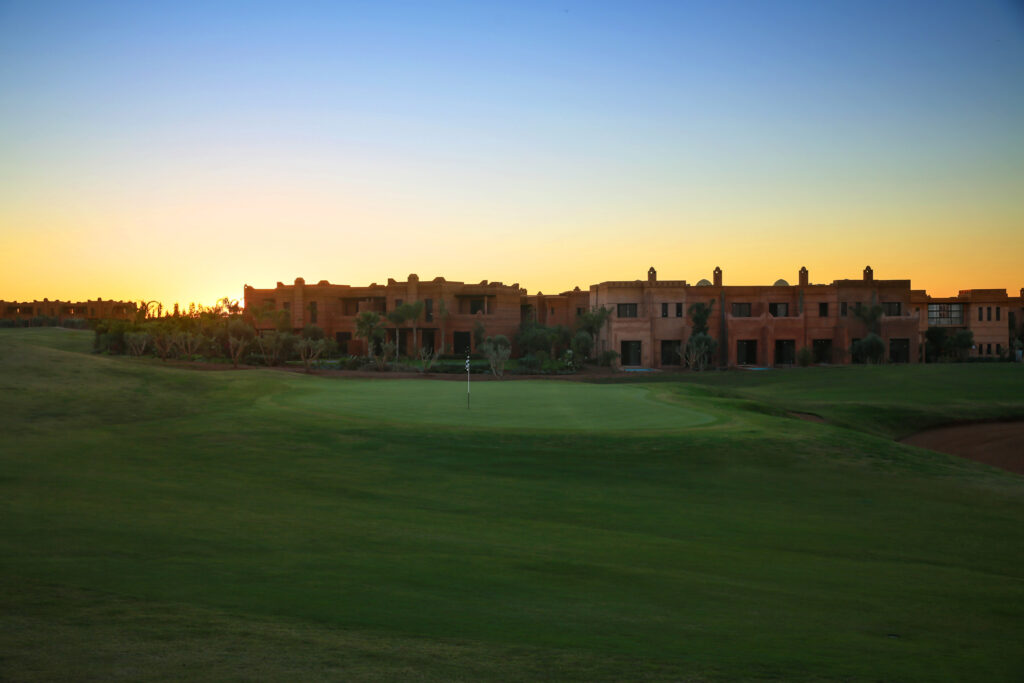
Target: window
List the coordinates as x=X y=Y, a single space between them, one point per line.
x=997 y=314
x=428 y=310
x=312 y=312
x=287 y=305
x=551 y=310
x=999 y=349
x=741 y=310
x=778 y=310
x=988 y=352
x=990 y=313
x=891 y=308
x=626 y=311
x=945 y=314
x=843 y=310
x=476 y=306
x=664 y=310
x=679 y=310
x=461 y=341
x=579 y=310
x=981 y=313
x=823 y=310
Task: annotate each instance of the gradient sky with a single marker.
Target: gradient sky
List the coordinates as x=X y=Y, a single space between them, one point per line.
x=176 y=151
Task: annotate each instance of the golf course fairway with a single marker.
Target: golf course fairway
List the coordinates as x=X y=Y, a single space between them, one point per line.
x=166 y=523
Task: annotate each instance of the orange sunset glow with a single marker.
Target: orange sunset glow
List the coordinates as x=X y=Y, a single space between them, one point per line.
x=178 y=155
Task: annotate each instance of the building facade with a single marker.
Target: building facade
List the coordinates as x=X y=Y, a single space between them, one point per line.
x=452 y=311
x=98 y=309
x=650 y=322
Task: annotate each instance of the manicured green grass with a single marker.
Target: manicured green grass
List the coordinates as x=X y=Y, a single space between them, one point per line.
x=894 y=400
x=166 y=523
x=521 y=405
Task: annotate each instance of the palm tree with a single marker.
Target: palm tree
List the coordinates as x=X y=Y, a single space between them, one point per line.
x=871 y=316
x=368 y=328
x=413 y=312
x=397 y=318
x=442 y=321
x=592 y=321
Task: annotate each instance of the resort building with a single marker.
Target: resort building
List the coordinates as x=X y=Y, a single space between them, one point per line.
x=25 y=311
x=650 y=323
x=452 y=311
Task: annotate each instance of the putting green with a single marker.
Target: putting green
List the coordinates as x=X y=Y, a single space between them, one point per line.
x=531 y=405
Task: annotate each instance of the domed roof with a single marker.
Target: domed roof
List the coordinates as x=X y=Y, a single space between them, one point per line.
x=780 y=283
x=704 y=283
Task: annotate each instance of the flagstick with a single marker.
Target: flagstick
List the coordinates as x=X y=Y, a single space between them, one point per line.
x=467 y=381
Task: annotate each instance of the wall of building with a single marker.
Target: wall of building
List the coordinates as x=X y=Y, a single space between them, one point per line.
x=777 y=320
x=63 y=310
x=455 y=309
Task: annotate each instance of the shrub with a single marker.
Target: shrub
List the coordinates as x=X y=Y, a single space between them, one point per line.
x=533 y=337
x=497 y=350
x=608 y=358
x=582 y=345
x=529 y=364
x=870 y=349
x=313 y=332
x=110 y=336
x=804 y=357
x=700 y=349
x=137 y=342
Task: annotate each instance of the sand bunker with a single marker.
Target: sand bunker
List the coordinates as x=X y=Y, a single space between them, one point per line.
x=1000 y=444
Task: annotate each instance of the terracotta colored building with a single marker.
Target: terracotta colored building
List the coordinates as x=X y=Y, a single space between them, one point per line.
x=754 y=325
x=452 y=311
x=649 y=323
x=987 y=313
x=64 y=310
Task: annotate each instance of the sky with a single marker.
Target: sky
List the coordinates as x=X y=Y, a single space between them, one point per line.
x=178 y=151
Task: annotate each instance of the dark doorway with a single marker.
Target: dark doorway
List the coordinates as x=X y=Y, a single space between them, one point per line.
x=746 y=352
x=630 y=353
x=671 y=352
x=785 y=351
x=343 y=338
x=427 y=339
x=899 y=350
x=461 y=341
x=822 y=349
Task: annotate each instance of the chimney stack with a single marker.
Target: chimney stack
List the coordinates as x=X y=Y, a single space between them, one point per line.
x=717 y=276
x=652 y=275
x=803 y=276
x=869 y=274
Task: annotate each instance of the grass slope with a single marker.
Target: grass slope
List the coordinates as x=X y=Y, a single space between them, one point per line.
x=165 y=523
x=890 y=400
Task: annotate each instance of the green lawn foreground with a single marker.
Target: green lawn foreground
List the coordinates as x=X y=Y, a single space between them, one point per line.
x=164 y=523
